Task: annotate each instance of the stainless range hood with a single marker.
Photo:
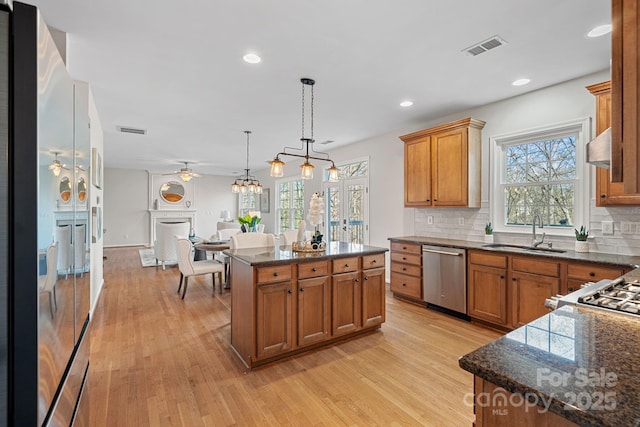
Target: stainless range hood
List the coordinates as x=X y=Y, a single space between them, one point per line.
x=599 y=150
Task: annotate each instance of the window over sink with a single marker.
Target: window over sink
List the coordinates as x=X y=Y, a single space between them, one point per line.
x=541 y=171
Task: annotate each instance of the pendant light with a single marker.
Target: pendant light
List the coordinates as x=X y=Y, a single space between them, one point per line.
x=277 y=169
x=247 y=182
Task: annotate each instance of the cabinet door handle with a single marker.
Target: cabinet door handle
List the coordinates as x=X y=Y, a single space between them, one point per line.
x=513 y=279
x=591 y=273
x=301 y=289
x=289 y=291
x=502 y=277
x=356 y=280
x=435 y=200
x=314 y=269
x=366 y=277
x=602 y=196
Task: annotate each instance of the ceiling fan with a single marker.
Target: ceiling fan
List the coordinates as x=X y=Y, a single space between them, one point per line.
x=185 y=173
x=55 y=166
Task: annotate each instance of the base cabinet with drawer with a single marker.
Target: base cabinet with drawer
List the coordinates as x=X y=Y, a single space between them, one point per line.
x=406 y=270
x=284 y=309
x=487 y=287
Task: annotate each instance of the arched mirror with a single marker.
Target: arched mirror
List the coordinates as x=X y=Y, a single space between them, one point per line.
x=172 y=192
x=82 y=190
x=65 y=190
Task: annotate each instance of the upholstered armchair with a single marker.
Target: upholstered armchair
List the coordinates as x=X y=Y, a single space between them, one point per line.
x=165 y=244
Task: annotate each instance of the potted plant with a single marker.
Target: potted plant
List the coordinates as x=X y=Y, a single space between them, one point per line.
x=581 y=239
x=248 y=222
x=488 y=233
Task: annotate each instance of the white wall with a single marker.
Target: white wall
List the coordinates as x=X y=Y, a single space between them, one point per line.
x=95 y=200
x=389 y=217
x=127 y=204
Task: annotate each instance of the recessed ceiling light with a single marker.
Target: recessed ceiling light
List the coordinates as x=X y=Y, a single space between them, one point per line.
x=600 y=31
x=251 y=58
x=406 y=103
x=520 y=82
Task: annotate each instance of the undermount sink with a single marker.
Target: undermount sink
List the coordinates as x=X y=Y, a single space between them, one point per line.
x=522 y=248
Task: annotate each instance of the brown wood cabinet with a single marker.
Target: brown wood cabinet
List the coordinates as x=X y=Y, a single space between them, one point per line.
x=406 y=270
x=580 y=273
x=279 y=310
x=314 y=309
x=487 y=287
x=608 y=193
x=509 y=290
x=625 y=97
x=442 y=165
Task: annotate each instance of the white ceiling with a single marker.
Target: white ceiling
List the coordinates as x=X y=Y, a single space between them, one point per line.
x=176 y=68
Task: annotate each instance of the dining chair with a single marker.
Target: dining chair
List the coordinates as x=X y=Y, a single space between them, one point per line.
x=79 y=249
x=188 y=267
x=47 y=282
x=252 y=240
x=165 y=247
x=63 y=237
x=225 y=235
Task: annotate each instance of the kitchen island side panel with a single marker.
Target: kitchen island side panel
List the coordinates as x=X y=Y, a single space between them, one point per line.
x=243 y=310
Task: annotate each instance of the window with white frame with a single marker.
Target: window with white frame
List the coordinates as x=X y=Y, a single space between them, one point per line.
x=247 y=202
x=289 y=204
x=541 y=172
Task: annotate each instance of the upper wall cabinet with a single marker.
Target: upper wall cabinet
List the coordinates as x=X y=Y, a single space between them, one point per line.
x=625 y=95
x=442 y=165
x=608 y=193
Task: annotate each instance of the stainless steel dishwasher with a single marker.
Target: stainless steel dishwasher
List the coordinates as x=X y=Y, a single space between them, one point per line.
x=445 y=277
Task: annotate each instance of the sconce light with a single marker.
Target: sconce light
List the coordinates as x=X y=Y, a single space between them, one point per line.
x=247 y=182
x=277 y=170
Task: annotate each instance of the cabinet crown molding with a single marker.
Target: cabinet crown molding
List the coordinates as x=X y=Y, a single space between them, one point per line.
x=468 y=122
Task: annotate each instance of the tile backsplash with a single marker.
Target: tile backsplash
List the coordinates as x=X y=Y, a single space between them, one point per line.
x=468 y=224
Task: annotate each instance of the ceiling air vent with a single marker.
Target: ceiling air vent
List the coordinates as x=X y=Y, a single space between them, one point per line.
x=484 y=46
x=127 y=129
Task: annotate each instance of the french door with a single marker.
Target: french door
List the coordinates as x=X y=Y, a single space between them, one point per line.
x=347 y=204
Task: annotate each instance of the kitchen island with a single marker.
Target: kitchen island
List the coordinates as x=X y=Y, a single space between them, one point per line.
x=573 y=366
x=285 y=302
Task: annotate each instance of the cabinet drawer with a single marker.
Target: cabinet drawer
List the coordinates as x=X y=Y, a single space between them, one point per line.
x=535 y=265
x=406 y=247
x=406 y=285
x=344 y=265
x=411 y=270
x=488 y=259
x=588 y=272
x=277 y=273
x=406 y=258
x=313 y=269
x=372 y=261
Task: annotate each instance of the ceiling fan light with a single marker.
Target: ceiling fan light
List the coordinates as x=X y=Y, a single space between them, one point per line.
x=307 y=170
x=56 y=169
x=277 y=169
x=186 y=177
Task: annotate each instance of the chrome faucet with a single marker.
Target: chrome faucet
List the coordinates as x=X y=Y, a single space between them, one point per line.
x=535 y=242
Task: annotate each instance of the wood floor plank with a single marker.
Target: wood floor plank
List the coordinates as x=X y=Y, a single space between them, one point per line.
x=158 y=360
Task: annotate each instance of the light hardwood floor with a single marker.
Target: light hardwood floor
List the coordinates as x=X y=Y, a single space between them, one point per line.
x=158 y=360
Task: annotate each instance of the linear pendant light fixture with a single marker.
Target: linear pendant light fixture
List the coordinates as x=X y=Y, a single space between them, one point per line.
x=246 y=182
x=277 y=169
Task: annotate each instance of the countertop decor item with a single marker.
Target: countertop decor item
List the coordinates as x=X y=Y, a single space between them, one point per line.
x=582 y=245
x=249 y=222
x=277 y=170
x=247 y=182
x=488 y=233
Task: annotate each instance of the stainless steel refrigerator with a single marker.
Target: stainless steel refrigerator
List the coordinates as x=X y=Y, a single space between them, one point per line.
x=43 y=347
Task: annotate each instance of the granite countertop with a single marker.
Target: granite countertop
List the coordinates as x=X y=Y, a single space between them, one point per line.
x=283 y=254
x=603 y=258
x=579 y=362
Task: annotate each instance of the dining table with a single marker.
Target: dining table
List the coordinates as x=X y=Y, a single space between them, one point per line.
x=216 y=246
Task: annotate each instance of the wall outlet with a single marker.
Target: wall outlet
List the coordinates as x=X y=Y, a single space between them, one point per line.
x=430 y=219
x=607 y=228
x=460 y=221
